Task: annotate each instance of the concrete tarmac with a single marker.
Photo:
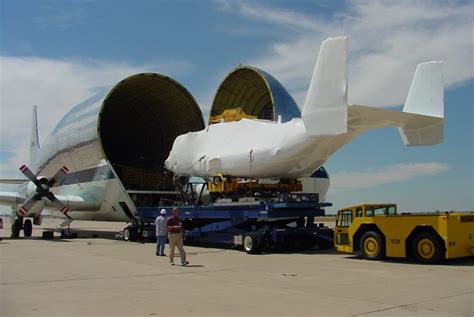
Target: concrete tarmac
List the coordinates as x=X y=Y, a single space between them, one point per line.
x=107 y=277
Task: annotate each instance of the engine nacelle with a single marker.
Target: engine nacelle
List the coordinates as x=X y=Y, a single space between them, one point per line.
x=27 y=191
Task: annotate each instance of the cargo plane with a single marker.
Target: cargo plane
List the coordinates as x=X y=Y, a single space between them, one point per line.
x=107 y=155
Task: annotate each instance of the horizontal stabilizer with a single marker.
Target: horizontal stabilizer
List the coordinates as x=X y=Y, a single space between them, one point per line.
x=425 y=98
x=325 y=107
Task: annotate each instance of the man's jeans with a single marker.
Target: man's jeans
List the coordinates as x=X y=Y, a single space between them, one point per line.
x=160 y=244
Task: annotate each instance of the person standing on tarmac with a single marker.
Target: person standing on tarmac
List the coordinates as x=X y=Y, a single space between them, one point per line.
x=175 y=236
x=161 y=233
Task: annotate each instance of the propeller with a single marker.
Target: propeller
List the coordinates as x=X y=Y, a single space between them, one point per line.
x=43 y=189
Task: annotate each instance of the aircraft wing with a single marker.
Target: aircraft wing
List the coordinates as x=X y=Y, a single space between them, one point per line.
x=415 y=129
x=10 y=198
x=11 y=181
x=71 y=202
x=74 y=202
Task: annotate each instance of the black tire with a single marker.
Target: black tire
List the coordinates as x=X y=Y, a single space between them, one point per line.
x=324 y=244
x=305 y=244
x=372 y=246
x=427 y=248
x=130 y=234
x=48 y=235
x=126 y=234
x=16 y=228
x=28 y=228
x=251 y=244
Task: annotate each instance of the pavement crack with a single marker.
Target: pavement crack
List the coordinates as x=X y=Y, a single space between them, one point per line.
x=112 y=277
x=411 y=304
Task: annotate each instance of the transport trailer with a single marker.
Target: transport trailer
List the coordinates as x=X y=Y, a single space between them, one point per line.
x=284 y=223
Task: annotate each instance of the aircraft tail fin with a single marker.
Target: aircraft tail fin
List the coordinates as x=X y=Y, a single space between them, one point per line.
x=325 y=107
x=425 y=97
x=34 y=144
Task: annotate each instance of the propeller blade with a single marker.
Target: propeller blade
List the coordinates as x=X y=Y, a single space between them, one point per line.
x=58 y=204
x=58 y=177
x=27 y=205
x=29 y=174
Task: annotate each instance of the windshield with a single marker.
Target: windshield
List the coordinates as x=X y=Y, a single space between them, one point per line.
x=344 y=218
x=380 y=211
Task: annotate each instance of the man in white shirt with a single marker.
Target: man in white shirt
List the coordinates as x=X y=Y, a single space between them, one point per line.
x=161 y=233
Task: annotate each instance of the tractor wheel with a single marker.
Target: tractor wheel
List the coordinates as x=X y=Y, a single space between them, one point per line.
x=427 y=248
x=372 y=246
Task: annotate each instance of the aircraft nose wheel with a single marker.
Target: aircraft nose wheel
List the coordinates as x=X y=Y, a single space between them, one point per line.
x=17 y=225
x=27 y=228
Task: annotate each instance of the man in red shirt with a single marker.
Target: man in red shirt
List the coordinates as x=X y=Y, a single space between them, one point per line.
x=175 y=236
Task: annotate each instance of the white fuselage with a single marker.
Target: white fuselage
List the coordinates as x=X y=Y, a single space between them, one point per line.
x=91 y=189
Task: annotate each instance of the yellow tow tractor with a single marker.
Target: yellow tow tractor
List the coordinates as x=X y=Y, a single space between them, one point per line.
x=377 y=231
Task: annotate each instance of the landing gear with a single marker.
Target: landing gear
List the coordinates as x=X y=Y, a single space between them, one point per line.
x=27 y=228
x=17 y=225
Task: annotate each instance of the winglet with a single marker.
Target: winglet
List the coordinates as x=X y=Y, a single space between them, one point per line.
x=325 y=107
x=425 y=98
x=426 y=91
x=34 y=145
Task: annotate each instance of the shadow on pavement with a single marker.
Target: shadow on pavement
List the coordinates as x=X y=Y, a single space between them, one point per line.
x=468 y=261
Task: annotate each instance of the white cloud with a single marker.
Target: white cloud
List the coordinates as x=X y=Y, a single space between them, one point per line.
x=55 y=86
x=386 y=42
x=345 y=181
x=275 y=16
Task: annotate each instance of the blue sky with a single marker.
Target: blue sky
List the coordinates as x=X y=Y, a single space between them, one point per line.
x=57 y=53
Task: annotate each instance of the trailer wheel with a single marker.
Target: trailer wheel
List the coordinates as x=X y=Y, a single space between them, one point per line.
x=27 y=228
x=427 y=248
x=130 y=234
x=372 y=246
x=325 y=239
x=251 y=244
x=324 y=244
